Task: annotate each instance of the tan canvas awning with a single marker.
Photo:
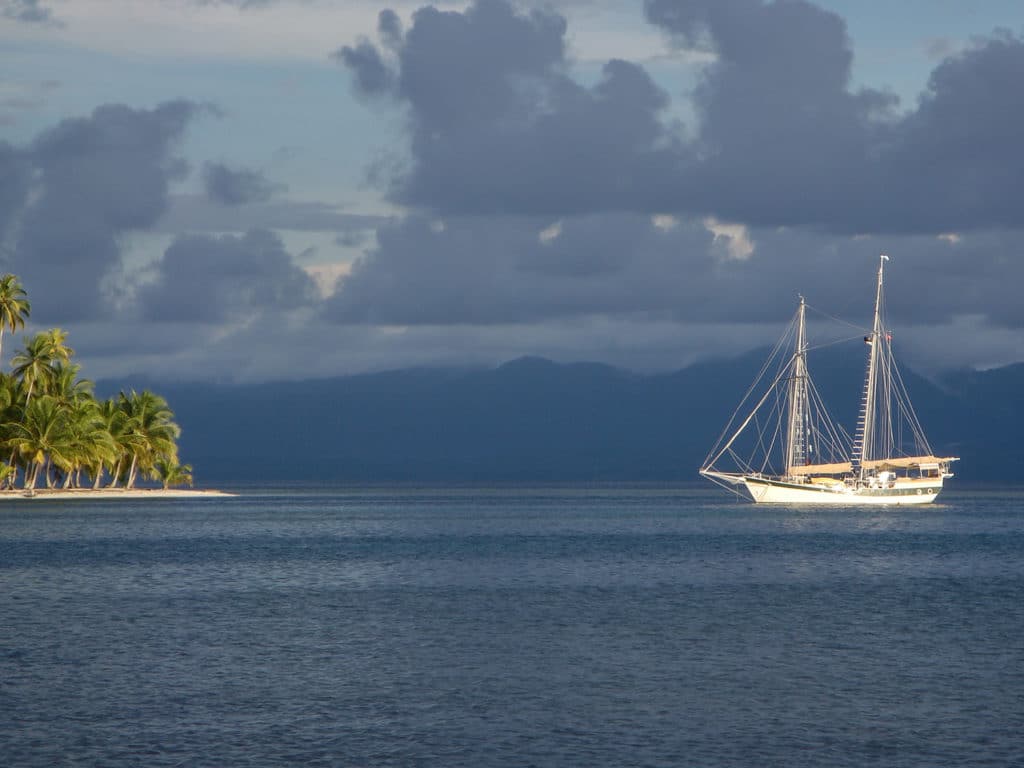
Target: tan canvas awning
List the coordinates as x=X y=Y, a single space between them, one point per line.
x=836 y=468
x=906 y=461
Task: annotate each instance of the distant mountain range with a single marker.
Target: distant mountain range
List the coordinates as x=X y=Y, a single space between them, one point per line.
x=535 y=420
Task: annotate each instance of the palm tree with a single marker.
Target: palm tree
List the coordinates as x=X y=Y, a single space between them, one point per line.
x=115 y=423
x=90 y=443
x=9 y=391
x=42 y=438
x=10 y=411
x=172 y=473
x=63 y=383
x=60 y=351
x=54 y=426
x=14 y=307
x=34 y=367
x=34 y=364
x=152 y=433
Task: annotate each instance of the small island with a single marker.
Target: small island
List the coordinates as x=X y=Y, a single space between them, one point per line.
x=57 y=440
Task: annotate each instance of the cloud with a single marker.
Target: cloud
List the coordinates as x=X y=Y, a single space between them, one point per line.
x=496 y=124
x=230 y=186
x=352 y=238
x=389 y=27
x=786 y=142
x=225 y=279
x=373 y=76
x=546 y=211
x=501 y=269
x=490 y=270
x=94 y=179
x=782 y=139
x=637 y=313
x=193 y=213
x=28 y=11
x=508 y=270
x=15 y=173
x=956 y=162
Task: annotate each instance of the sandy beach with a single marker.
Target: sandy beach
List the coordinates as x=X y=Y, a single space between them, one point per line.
x=53 y=494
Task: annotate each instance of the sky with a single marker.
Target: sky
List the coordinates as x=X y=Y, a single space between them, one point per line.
x=248 y=190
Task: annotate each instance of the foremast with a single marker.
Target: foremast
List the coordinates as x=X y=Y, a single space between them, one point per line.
x=797 y=440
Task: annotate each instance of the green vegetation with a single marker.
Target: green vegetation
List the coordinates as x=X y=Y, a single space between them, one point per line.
x=56 y=433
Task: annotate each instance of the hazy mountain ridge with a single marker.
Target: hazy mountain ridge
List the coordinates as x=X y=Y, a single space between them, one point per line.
x=532 y=419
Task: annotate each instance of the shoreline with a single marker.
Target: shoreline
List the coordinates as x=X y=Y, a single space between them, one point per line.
x=111 y=493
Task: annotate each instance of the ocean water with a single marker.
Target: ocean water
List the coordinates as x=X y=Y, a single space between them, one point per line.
x=607 y=626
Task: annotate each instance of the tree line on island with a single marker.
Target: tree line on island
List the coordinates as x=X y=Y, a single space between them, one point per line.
x=53 y=429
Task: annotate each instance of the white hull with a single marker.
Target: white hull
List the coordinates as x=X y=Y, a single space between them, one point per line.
x=764 y=491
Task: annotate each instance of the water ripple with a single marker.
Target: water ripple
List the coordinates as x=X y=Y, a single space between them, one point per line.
x=546 y=627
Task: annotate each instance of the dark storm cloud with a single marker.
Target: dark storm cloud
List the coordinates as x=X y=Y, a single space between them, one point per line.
x=786 y=142
x=236 y=186
x=495 y=270
x=29 y=11
x=533 y=195
x=372 y=75
x=207 y=279
x=929 y=280
x=486 y=270
x=782 y=139
x=95 y=178
x=497 y=124
x=15 y=173
x=957 y=161
x=389 y=27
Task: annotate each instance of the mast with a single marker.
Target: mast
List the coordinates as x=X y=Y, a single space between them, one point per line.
x=866 y=423
x=796 y=430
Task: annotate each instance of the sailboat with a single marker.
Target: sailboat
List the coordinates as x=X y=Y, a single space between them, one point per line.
x=781 y=445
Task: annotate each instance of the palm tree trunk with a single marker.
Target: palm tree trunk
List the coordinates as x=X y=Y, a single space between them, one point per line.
x=14 y=466
x=98 y=477
x=115 y=474
x=132 y=471
x=28 y=399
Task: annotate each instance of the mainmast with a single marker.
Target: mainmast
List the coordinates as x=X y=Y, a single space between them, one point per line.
x=796 y=429
x=866 y=422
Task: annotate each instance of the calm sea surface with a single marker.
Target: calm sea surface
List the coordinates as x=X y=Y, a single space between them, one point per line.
x=511 y=627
